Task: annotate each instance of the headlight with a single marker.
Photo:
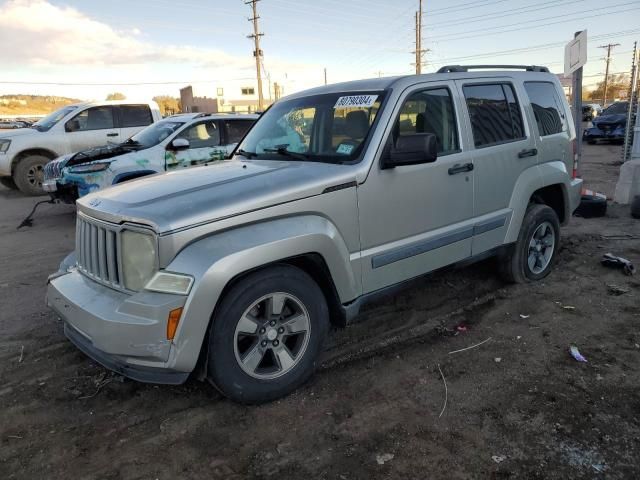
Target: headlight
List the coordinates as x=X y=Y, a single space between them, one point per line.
x=166 y=282
x=92 y=167
x=139 y=259
x=4 y=145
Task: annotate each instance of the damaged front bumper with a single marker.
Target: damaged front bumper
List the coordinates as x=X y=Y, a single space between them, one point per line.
x=124 y=332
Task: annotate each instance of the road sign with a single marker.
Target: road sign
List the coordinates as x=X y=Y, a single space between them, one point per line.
x=575 y=53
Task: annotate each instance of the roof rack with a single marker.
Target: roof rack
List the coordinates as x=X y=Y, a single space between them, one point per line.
x=466 y=68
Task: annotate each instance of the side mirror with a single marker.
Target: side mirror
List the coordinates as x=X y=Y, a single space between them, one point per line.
x=178 y=144
x=72 y=126
x=411 y=150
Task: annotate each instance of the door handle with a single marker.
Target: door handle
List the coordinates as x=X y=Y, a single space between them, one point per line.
x=532 y=152
x=457 y=168
x=112 y=134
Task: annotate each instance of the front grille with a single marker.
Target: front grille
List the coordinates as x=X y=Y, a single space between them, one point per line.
x=98 y=251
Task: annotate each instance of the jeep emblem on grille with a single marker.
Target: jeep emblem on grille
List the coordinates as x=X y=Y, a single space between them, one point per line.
x=94 y=202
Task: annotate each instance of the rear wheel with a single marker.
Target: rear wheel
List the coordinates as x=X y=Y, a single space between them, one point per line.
x=29 y=174
x=532 y=256
x=267 y=334
x=8 y=183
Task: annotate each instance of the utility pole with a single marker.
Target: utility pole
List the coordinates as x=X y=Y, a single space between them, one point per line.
x=419 y=51
x=257 y=53
x=325 y=75
x=606 y=74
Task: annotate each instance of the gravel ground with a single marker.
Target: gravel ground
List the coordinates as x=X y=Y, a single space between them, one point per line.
x=516 y=406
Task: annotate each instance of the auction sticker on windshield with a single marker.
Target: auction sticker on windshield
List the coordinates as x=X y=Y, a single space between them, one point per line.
x=356 y=101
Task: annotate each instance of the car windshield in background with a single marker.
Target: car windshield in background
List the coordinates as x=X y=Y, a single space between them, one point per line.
x=616 y=108
x=329 y=128
x=154 y=134
x=50 y=120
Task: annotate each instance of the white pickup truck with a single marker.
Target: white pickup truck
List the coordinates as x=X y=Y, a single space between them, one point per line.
x=25 y=151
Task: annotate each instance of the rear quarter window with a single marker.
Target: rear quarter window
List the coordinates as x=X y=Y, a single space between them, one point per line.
x=547 y=107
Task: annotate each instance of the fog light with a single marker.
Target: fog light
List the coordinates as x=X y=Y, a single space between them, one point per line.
x=172 y=322
x=165 y=282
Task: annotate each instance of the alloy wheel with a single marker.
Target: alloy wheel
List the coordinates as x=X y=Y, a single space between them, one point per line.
x=541 y=248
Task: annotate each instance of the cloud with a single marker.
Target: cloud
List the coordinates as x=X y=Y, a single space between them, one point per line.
x=44 y=34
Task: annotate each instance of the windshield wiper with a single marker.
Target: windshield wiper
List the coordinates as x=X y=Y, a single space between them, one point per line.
x=282 y=150
x=244 y=153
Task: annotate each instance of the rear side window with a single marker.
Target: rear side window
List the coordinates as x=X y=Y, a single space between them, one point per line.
x=236 y=129
x=546 y=107
x=430 y=111
x=135 y=116
x=494 y=113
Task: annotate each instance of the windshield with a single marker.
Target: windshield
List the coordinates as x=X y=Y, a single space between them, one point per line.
x=154 y=134
x=323 y=128
x=50 y=120
x=616 y=108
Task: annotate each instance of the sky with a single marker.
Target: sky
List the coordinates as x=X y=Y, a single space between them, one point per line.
x=88 y=48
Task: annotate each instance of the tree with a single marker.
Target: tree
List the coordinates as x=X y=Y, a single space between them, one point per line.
x=116 y=96
x=168 y=105
x=618 y=87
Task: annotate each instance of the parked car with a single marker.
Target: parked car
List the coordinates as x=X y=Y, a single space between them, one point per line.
x=590 y=111
x=235 y=271
x=178 y=141
x=610 y=125
x=10 y=124
x=24 y=152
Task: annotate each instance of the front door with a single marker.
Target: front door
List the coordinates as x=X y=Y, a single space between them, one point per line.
x=416 y=218
x=204 y=146
x=503 y=148
x=93 y=127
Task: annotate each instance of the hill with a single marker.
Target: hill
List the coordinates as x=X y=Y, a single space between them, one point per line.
x=32 y=104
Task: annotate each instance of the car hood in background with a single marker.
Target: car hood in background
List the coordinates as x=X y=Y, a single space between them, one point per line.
x=185 y=198
x=611 y=119
x=18 y=132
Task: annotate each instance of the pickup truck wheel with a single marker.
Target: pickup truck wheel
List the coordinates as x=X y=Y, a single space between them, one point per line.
x=29 y=174
x=266 y=335
x=8 y=183
x=531 y=257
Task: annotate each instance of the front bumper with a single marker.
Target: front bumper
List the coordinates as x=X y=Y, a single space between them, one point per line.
x=125 y=333
x=597 y=133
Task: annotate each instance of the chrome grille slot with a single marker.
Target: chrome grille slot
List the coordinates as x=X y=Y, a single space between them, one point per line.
x=97 y=251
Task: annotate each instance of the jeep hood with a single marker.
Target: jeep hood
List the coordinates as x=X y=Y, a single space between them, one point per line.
x=184 y=198
x=611 y=119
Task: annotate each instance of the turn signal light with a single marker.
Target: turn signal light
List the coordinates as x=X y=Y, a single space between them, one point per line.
x=172 y=322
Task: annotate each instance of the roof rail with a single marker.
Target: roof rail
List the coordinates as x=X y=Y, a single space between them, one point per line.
x=466 y=68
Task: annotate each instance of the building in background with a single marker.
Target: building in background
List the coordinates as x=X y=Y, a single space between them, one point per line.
x=236 y=97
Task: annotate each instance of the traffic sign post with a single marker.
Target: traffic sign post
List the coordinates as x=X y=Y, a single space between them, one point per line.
x=575 y=56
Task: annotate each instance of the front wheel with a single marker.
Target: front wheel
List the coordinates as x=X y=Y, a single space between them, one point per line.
x=29 y=174
x=532 y=256
x=267 y=334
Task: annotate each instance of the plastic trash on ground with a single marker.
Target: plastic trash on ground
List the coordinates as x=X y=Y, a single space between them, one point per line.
x=610 y=260
x=575 y=353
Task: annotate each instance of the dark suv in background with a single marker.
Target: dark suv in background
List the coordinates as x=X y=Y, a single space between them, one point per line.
x=610 y=125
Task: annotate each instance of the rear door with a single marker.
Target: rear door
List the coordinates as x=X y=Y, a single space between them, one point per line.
x=551 y=123
x=93 y=127
x=503 y=148
x=133 y=118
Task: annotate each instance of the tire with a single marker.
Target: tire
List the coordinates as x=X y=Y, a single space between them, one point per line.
x=250 y=358
x=8 y=183
x=29 y=173
x=591 y=206
x=515 y=266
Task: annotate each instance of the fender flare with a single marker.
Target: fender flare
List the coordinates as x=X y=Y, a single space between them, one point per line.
x=216 y=260
x=530 y=180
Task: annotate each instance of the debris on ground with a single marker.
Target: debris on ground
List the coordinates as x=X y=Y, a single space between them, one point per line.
x=568 y=307
x=617 y=290
x=524 y=317
x=610 y=260
x=592 y=204
x=385 y=457
x=497 y=359
x=446 y=392
x=498 y=458
x=575 y=353
x=461 y=328
x=472 y=346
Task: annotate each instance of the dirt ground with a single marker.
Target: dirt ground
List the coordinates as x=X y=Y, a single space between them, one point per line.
x=517 y=406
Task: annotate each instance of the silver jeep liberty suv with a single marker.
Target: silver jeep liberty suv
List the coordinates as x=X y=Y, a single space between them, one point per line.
x=235 y=271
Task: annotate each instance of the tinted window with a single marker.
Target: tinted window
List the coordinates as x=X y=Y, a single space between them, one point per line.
x=546 y=107
x=430 y=111
x=494 y=113
x=135 y=116
x=236 y=129
x=95 y=118
x=202 y=135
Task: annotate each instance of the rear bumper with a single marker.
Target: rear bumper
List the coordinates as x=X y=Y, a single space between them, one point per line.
x=125 y=333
